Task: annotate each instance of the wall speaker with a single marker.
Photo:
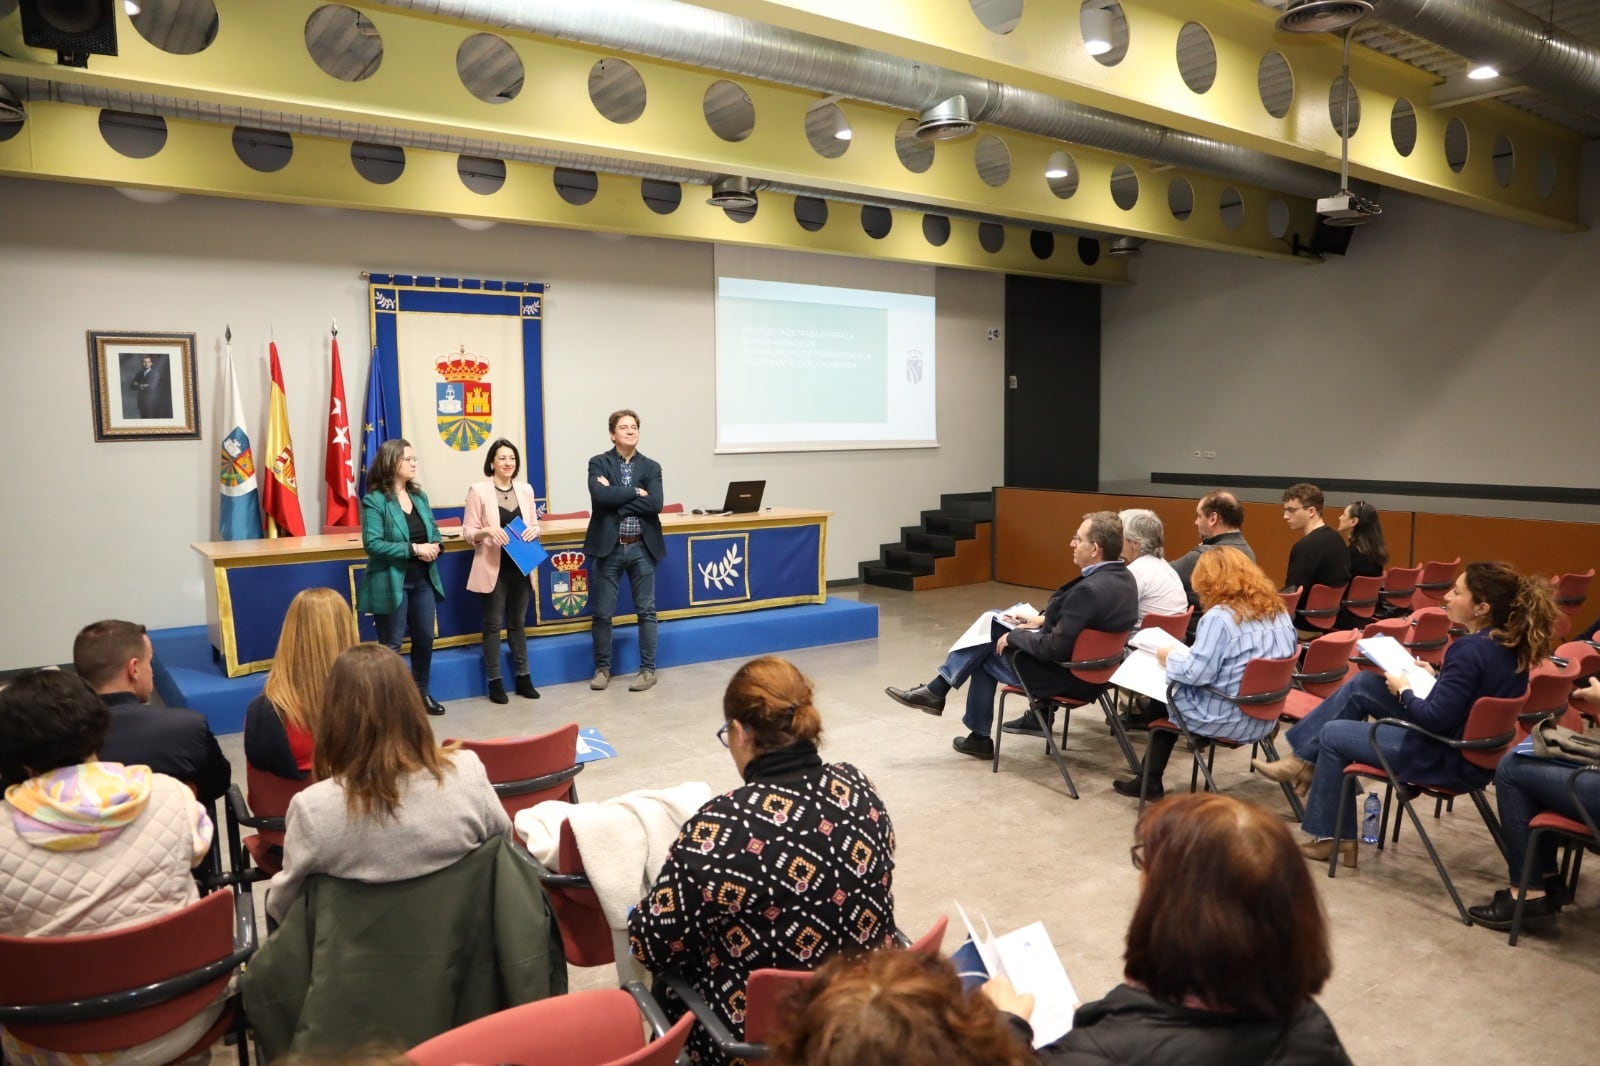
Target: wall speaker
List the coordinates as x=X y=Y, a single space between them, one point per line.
x=76 y=29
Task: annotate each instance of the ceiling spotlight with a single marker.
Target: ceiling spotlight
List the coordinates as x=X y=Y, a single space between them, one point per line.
x=476 y=225
x=841 y=125
x=1322 y=16
x=1096 y=24
x=1483 y=72
x=147 y=196
x=945 y=121
x=736 y=193
x=131 y=7
x=1055 y=171
x=1127 y=247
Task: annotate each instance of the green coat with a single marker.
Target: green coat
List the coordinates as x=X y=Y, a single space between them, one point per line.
x=387 y=538
x=402 y=962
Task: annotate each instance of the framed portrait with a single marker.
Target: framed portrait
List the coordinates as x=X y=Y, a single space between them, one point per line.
x=143 y=386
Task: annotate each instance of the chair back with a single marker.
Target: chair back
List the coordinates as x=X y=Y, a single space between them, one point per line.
x=1291 y=598
x=599 y=1027
x=1327 y=663
x=1398 y=628
x=563 y=516
x=1399 y=586
x=331 y=530
x=1430 y=634
x=1361 y=597
x=672 y=508
x=585 y=934
x=269 y=796
x=1322 y=606
x=1435 y=578
x=529 y=770
x=1549 y=687
x=1572 y=589
x=932 y=942
x=1265 y=686
x=1099 y=653
x=1176 y=624
x=763 y=990
x=1492 y=718
x=69 y=969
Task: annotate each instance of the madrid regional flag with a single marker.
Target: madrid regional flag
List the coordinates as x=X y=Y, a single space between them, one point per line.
x=279 y=491
x=338 y=472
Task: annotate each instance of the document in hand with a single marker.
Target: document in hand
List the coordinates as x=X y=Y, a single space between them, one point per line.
x=1154 y=639
x=1143 y=673
x=1391 y=656
x=982 y=630
x=1028 y=959
x=527 y=554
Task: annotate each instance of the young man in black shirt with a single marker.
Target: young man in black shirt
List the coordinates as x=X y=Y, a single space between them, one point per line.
x=1319 y=557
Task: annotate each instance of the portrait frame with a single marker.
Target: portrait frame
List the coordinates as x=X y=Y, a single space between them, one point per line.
x=142 y=386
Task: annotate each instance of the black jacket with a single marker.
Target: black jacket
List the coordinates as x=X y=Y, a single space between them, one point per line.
x=170 y=740
x=1130 y=1026
x=1106 y=599
x=609 y=503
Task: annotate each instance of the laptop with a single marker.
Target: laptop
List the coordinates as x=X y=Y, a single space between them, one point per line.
x=744 y=497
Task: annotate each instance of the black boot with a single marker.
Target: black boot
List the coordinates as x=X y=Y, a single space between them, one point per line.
x=497 y=691
x=525 y=687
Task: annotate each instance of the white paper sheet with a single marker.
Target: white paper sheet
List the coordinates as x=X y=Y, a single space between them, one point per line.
x=1027 y=958
x=1391 y=656
x=1143 y=673
x=1154 y=639
x=979 y=631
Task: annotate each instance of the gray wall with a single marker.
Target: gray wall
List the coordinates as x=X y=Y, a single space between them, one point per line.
x=103 y=530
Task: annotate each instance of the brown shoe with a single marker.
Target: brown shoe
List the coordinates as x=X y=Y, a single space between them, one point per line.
x=1290 y=770
x=1319 y=850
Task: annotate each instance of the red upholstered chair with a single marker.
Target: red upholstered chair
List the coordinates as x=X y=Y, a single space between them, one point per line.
x=529 y=770
x=1430 y=634
x=1571 y=590
x=1435 y=579
x=1291 y=598
x=1175 y=624
x=452 y=524
x=1549 y=688
x=1583 y=660
x=585 y=936
x=1361 y=598
x=269 y=802
x=1489 y=733
x=551 y=516
x=1265 y=686
x=1579 y=835
x=1097 y=654
x=931 y=942
x=103 y=992
x=599 y=1027
x=352 y=530
x=1325 y=666
x=1398 y=628
x=1322 y=606
x=672 y=508
x=1399 y=587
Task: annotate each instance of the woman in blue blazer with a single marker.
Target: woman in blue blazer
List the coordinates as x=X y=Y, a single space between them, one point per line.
x=402 y=588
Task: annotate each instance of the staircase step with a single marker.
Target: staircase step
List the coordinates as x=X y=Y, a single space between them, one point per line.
x=939 y=544
x=909 y=562
x=978 y=506
x=950 y=525
x=873 y=574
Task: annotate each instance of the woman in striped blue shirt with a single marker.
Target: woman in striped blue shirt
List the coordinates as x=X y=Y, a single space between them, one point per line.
x=1244 y=619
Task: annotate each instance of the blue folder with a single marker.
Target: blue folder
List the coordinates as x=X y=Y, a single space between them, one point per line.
x=527 y=554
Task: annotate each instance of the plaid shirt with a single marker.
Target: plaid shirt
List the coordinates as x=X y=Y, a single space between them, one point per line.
x=629 y=526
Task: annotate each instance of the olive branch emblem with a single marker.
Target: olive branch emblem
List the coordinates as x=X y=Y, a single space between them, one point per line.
x=722 y=574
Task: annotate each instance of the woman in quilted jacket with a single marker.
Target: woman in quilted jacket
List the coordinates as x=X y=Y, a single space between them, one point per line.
x=88 y=846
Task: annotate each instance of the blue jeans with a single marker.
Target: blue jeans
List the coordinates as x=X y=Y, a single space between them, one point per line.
x=1524 y=787
x=634 y=560
x=1335 y=734
x=416 y=611
x=987 y=672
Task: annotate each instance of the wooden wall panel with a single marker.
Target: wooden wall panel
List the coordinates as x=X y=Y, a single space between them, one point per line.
x=1529 y=545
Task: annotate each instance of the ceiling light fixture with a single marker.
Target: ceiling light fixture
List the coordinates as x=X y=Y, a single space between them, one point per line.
x=476 y=225
x=1322 y=16
x=732 y=192
x=841 y=125
x=1097 y=25
x=1055 y=171
x=131 y=7
x=1483 y=72
x=945 y=121
x=147 y=196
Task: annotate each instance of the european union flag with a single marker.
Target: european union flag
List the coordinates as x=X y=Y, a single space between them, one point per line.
x=376 y=419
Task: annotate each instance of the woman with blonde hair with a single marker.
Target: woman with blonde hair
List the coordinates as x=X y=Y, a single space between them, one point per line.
x=786 y=871
x=389 y=803
x=1511 y=625
x=1244 y=619
x=277 y=723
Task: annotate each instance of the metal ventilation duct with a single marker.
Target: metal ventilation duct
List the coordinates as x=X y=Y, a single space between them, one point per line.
x=695 y=36
x=1523 y=47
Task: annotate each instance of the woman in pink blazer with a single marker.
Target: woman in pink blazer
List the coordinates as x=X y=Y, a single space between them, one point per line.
x=491 y=505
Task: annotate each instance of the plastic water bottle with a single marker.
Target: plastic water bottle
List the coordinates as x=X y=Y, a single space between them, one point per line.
x=1371 y=812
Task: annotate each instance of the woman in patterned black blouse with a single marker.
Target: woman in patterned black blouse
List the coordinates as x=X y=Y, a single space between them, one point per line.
x=786 y=871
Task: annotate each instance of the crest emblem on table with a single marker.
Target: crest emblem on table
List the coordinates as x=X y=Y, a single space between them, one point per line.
x=463 y=402
x=719 y=568
x=569 y=582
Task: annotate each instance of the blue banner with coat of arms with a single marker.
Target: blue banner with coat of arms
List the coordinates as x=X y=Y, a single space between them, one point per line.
x=461 y=362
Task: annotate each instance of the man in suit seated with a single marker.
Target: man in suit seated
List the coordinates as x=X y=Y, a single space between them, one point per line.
x=1105 y=597
x=115 y=658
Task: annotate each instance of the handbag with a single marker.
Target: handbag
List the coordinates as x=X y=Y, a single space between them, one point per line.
x=1553 y=741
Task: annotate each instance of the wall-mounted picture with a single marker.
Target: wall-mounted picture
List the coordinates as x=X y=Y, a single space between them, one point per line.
x=143 y=386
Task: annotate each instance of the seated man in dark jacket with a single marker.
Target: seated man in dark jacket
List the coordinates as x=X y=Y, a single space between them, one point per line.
x=1105 y=597
x=115 y=658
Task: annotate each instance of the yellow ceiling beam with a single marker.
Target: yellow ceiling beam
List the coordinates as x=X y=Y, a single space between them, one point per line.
x=1045 y=53
x=62 y=142
x=259 y=61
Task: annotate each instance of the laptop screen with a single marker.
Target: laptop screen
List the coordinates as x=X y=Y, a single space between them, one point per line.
x=744 y=497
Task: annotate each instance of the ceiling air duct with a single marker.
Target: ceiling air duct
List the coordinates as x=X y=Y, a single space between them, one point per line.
x=735 y=193
x=1322 y=16
x=945 y=121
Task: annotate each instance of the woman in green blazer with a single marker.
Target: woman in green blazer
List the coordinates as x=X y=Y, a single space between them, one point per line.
x=402 y=588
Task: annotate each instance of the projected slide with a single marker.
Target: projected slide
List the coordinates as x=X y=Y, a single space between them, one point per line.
x=802 y=367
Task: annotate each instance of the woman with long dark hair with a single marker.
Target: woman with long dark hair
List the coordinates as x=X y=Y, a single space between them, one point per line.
x=401 y=589
x=1369 y=555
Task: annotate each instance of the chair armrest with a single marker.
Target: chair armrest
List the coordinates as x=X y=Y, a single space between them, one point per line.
x=714 y=1026
x=537 y=784
x=1250 y=701
x=239 y=814
x=1454 y=745
x=1322 y=677
x=649 y=1009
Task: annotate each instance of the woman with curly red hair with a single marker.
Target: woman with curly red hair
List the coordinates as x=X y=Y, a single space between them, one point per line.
x=1244 y=619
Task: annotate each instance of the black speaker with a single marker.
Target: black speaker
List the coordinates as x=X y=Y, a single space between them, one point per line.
x=76 y=29
x=1331 y=240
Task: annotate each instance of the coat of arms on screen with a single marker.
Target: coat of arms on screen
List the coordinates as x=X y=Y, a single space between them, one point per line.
x=463 y=406
x=569 y=582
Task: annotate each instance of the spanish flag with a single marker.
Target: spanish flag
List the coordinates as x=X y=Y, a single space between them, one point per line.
x=280 y=493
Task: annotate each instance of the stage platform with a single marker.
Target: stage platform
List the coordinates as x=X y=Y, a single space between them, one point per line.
x=187 y=675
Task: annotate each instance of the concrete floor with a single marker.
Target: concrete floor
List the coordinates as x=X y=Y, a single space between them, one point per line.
x=1411 y=983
